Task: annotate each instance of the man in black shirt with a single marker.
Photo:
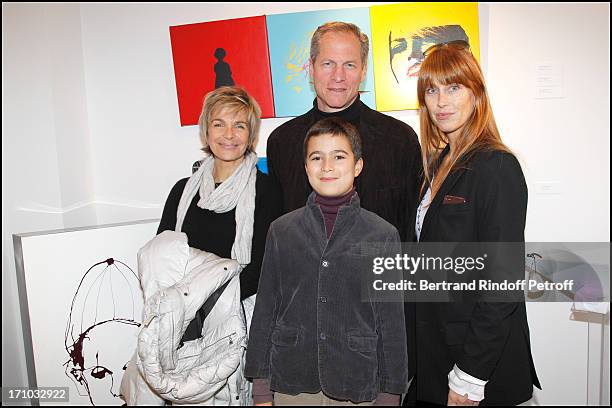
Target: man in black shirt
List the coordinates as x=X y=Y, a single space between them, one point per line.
x=392 y=156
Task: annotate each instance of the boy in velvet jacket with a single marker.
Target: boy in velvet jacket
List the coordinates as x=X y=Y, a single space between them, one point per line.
x=313 y=339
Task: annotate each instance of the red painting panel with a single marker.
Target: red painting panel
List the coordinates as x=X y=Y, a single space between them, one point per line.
x=227 y=52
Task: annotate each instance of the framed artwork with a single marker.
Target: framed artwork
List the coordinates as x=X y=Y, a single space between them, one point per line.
x=213 y=54
x=289 y=41
x=81 y=307
x=400 y=34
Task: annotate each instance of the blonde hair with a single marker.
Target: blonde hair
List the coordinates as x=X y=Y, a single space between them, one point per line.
x=451 y=65
x=335 y=27
x=236 y=99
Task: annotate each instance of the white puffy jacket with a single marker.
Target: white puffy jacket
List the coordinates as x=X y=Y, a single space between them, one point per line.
x=176 y=281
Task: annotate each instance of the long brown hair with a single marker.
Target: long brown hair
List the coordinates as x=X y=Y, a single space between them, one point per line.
x=447 y=64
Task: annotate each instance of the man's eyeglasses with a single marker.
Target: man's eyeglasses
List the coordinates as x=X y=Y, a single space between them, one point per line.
x=457 y=44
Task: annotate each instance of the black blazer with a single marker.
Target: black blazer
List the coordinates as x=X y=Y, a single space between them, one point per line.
x=485 y=200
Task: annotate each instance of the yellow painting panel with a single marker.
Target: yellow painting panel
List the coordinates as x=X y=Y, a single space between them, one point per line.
x=400 y=34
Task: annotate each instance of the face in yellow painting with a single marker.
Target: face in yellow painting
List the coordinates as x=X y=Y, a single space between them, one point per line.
x=406 y=49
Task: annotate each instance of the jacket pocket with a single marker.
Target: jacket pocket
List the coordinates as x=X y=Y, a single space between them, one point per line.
x=284 y=336
x=456 y=332
x=453 y=200
x=360 y=342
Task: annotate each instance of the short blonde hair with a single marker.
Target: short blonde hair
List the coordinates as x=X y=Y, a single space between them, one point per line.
x=336 y=27
x=236 y=99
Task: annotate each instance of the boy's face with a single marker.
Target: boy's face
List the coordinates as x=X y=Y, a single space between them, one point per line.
x=330 y=165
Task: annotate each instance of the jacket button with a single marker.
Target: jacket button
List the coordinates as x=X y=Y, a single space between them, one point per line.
x=323 y=299
x=325 y=264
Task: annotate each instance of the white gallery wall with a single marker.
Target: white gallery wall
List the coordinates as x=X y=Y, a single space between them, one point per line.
x=91 y=133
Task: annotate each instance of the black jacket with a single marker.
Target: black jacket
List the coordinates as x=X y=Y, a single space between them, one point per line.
x=388 y=184
x=484 y=201
x=311 y=331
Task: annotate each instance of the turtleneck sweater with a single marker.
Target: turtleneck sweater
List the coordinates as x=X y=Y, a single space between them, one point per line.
x=350 y=114
x=330 y=206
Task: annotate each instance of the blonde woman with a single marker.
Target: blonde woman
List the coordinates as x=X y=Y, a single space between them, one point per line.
x=229 y=179
x=199 y=274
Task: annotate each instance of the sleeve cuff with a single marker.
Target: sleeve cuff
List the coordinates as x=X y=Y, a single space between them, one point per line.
x=463 y=383
x=261 y=391
x=387 y=400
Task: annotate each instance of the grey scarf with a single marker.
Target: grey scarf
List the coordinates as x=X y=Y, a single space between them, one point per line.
x=238 y=191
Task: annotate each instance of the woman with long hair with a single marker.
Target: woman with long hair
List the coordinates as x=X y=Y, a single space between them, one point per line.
x=470 y=351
